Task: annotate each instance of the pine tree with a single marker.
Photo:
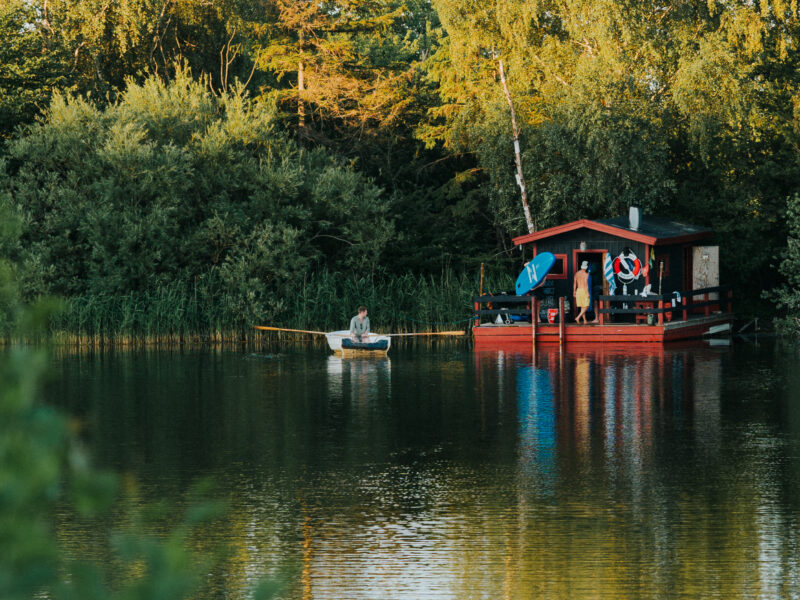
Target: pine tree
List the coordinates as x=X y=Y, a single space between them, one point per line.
x=327 y=57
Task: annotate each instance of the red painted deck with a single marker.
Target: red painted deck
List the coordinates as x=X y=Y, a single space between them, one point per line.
x=623 y=333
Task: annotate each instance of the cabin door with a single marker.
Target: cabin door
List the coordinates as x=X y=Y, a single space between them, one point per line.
x=688 y=268
x=595 y=259
x=705 y=268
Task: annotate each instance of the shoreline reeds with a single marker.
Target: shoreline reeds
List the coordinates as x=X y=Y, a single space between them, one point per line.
x=181 y=314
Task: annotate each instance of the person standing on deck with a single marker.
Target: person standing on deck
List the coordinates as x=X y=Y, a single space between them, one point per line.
x=580 y=289
x=359 y=326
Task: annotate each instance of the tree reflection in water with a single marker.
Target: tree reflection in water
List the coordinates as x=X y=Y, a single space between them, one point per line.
x=452 y=473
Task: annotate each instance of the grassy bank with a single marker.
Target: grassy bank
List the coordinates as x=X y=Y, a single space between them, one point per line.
x=183 y=313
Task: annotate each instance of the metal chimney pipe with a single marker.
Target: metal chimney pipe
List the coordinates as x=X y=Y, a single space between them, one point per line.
x=635 y=217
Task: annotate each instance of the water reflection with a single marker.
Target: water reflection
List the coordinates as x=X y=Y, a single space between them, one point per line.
x=591 y=472
x=537 y=427
x=577 y=405
x=359 y=378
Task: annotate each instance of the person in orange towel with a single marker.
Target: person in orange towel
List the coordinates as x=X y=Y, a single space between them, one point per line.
x=580 y=289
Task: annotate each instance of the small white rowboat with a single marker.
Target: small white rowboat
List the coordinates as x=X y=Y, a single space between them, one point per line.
x=378 y=344
x=376 y=340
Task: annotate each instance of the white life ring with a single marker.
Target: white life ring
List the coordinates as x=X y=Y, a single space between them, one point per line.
x=627 y=266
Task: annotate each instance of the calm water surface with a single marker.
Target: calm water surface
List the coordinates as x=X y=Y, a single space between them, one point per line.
x=445 y=472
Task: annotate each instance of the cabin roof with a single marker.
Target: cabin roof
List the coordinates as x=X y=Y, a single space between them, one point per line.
x=656 y=231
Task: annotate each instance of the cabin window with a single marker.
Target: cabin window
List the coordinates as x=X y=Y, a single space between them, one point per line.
x=559 y=270
x=659 y=259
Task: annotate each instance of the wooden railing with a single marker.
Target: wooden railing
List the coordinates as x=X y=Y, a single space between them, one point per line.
x=658 y=305
x=531 y=303
x=516 y=300
x=661 y=304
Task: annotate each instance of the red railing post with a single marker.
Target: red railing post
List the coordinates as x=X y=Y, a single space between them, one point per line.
x=685 y=304
x=602 y=316
x=660 y=314
x=534 y=318
x=562 y=322
x=477 y=316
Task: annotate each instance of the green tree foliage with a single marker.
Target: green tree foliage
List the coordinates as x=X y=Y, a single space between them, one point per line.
x=349 y=76
x=688 y=109
x=330 y=51
x=30 y=67
x=365 y=92
x=9 y=292
x=94 y=47
x=787 y=296
x=109 y=42
x=173 y=184
x=592 y=142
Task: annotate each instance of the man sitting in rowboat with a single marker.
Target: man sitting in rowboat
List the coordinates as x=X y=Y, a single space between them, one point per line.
x=359 y=326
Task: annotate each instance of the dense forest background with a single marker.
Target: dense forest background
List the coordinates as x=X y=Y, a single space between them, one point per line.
x=180 y=167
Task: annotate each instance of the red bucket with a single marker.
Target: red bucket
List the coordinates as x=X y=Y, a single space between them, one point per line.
x=552 y=313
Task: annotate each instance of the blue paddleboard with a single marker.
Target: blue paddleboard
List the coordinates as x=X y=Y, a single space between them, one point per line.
x=534 y=272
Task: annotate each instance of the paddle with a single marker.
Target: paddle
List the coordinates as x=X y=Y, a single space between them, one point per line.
x=266 y=328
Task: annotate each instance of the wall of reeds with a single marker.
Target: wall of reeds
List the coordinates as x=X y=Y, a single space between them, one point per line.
x=325 y=301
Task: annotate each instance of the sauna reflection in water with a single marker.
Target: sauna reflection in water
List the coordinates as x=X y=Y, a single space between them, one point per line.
x=448 y=473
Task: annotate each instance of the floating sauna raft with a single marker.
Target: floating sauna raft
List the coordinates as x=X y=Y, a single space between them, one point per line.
x=664 y=255
x=684 y=325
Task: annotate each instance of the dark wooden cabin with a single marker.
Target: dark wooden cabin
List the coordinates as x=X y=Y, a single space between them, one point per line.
x=673 y=244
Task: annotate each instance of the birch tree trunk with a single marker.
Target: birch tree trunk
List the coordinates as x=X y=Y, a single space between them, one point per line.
x=517 y=155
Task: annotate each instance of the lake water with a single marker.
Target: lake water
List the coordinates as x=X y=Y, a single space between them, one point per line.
x=446 y=472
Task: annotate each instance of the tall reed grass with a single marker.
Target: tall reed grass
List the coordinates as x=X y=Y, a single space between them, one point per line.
x=323 y=301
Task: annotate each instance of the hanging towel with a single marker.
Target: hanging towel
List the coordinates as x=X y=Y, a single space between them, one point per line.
x=608 y=271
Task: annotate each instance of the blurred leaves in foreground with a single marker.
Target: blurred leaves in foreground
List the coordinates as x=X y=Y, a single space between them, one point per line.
x=42 y=468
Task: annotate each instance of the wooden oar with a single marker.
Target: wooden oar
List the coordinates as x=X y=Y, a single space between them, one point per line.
x=428 y=333
x=265 y=328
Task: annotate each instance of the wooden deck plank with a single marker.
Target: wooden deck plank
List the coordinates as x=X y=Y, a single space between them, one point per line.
x=599 y=333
